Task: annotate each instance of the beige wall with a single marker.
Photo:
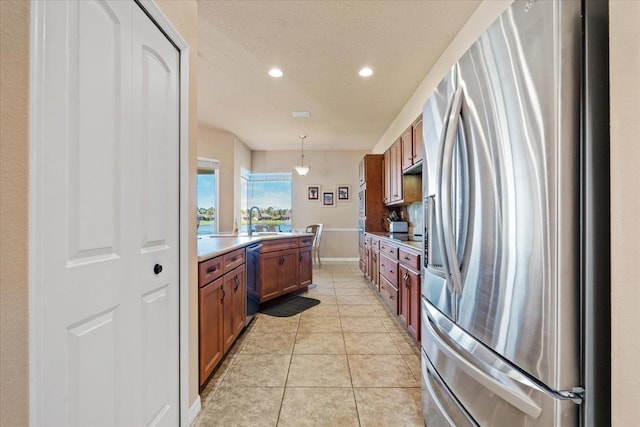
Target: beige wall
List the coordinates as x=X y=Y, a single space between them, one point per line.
x=625 y=208
x=328 y=169
x=232 y=155
x=242 y=160
x=219 y=145
x=14 y=212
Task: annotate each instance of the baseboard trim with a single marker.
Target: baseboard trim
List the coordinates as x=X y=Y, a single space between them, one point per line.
x=339 y=259
x=194 y=410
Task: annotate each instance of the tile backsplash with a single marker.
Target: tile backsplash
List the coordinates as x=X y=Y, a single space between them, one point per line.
x=413 y=214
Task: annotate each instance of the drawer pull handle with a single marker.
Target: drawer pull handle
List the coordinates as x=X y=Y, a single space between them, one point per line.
x=212 y=269
x=391 y=297
x=234 y=259
x=407 y=258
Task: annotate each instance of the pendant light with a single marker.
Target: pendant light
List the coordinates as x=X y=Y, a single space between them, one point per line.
x=301 y=168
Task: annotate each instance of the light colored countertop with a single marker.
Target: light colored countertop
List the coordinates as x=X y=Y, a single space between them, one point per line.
x=413 y=244
x=210 y=246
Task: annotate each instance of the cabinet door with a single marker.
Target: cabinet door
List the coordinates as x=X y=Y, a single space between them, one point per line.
x=227 y=312
x=417 y=140
x=375 y=268
x=409 y=288
x=210 y=327
x=387 y=176
x=404 y=290
x=289 y=271
x=414 y=305
x=367 y=261
x=269 y=275
x=363 y=259
x=397 y=171
x=407 y=148
x=239 y=299
x=306 y=267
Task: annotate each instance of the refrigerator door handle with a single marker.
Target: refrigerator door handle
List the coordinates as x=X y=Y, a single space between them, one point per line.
x=445 y=193
x=515 y=398
x=439 y=232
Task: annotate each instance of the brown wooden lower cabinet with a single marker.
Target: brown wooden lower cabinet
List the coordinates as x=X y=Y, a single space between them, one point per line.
x=409 y=307
x=233 y=303
x=210 y=319
x=389 y=294
x=278 y=273
x=375 y=268
x=305 y=267
x=221 y=308
x=284 y=266
x=394 y=270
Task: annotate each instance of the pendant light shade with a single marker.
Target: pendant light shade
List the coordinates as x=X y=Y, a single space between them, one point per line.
x=301 y=168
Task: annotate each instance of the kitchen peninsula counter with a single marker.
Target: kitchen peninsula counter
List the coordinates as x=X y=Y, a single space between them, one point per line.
x=210 y=246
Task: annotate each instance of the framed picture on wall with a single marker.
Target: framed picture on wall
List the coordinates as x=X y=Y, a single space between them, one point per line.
x=328 y=199
x=344 y=193
x=313 y=193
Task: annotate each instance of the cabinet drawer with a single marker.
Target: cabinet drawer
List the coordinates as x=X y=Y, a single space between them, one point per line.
x=389 y=269
x=409 y=259
x=389 y=250
x=375 y=243
x=389 y=294
x=233 y=259
x=305 y=241
x=210 y=270
x=278 y=245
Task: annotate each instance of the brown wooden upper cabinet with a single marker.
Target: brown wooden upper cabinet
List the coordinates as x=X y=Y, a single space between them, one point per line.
x=399 y=188
x=412 y=145
x=393 y=173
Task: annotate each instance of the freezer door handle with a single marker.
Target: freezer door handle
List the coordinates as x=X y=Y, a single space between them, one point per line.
x=442 y=398
x=515 y=398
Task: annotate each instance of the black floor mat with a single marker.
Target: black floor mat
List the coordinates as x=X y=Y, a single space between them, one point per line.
x=290 y=307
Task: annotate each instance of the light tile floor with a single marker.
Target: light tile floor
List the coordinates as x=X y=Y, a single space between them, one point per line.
x=345 y=362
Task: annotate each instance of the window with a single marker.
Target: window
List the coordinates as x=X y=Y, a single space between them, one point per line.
x=207 y=196
x=271 y=193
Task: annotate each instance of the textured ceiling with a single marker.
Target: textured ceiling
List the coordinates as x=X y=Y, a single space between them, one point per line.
x=320 y=46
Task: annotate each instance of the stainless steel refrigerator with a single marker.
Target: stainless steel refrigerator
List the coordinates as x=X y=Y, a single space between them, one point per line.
x=503 y=281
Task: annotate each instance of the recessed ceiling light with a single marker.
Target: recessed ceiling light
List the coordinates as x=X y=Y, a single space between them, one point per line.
x=276 y=72
x=366 y=72
x=301 y=114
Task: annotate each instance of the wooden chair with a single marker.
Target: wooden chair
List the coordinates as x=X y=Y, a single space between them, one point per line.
x=316 y=229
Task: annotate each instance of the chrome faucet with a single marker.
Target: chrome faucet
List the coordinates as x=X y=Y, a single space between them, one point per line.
x=250 y=231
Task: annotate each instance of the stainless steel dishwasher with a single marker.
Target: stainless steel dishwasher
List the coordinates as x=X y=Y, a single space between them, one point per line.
x=253 y=281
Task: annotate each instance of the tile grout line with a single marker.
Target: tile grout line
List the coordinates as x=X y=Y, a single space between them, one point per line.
x=286 y=381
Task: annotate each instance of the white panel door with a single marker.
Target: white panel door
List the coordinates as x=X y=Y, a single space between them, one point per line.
x=154 y=190
x=106 y=212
